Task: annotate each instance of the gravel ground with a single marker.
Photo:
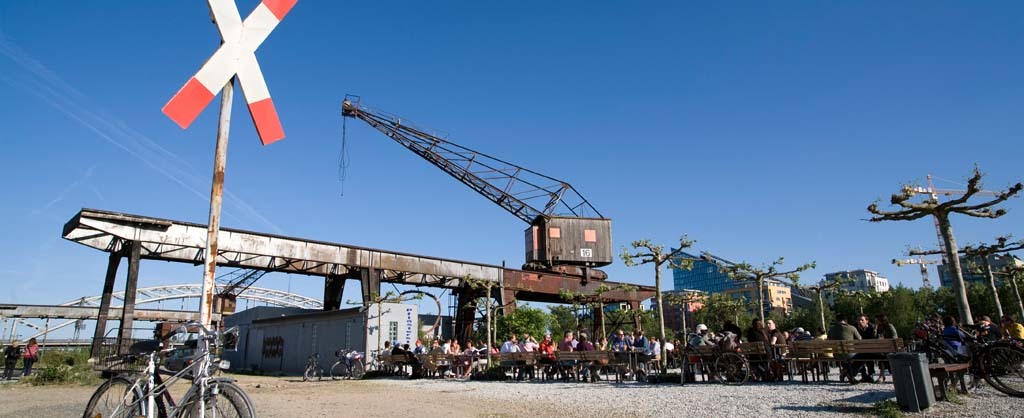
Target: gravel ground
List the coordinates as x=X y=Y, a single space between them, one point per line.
x=396 y=397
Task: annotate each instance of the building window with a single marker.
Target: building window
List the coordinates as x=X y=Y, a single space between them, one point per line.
x=393 y=331
x=554 y=232
x=590 y=235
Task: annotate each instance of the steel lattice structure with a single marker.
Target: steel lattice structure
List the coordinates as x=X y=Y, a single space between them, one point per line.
x=156 y=294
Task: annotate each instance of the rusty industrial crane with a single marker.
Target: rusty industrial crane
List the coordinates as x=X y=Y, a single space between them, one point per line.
x=566 y=233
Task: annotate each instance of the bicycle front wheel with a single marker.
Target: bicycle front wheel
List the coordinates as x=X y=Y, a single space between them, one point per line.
x=222 y=400
x=115 y=398
x=309 y=374
x=357 y=370
x=339 y=370
x=1003 y=366
x=732 y=369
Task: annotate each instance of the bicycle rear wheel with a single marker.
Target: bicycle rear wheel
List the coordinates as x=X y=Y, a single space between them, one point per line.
x=357 y=370
x=115 y=398
x=732 y=369
x=222 y=400
x=1003 y=366
x=339 y=370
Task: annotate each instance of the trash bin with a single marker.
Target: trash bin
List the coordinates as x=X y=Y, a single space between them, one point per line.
x=913 y=383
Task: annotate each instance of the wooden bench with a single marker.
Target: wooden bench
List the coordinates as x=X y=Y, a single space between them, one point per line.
x=568 y=363
x=394 y=364
x=812 y=356
x=949 y=375
x=596 y=361
x=870 y=351
x=435 y=364
x=698 y=359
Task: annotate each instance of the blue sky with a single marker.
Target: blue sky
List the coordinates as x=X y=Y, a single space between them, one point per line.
x=758 y=130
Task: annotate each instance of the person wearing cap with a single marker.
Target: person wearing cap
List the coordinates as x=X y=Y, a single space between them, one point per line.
x=701 y=336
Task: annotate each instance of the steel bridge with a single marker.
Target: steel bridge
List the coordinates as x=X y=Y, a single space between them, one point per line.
x=72 y=313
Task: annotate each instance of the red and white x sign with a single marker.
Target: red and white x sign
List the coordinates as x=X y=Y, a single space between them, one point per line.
x=237 y=55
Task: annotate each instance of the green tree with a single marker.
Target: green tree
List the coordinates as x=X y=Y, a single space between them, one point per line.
x=719 y=308
x=930 y=206
x=745 y=272
x=562 y=319
x=979 y=256
x=524 y=319
x=649 y=253
x=823 y=287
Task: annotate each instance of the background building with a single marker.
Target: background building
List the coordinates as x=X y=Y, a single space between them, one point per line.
x=281 y=339
x=858 y=281
x=778 y=296
x=971 y=268
x=704 y=276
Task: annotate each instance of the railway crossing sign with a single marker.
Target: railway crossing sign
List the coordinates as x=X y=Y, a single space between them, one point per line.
x=236 y=56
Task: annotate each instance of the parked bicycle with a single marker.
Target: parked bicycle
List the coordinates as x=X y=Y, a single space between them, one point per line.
x=313 y=369
x=349 y=364
x=133 y=394
x=725 y=366
x=1000 y=363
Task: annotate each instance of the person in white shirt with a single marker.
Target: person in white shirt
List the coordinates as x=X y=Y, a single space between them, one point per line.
x=511 y=345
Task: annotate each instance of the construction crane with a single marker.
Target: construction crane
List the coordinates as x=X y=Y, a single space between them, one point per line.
x=934 y=194
x=233 y=284
x=566 y=234
x=921 y=261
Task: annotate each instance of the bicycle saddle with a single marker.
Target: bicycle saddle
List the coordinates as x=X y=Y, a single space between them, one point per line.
x=144 y=347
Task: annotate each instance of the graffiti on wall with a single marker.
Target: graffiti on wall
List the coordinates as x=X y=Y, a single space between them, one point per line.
x=273 y=347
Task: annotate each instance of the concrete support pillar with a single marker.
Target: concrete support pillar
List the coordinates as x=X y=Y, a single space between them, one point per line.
x=108 y=288
x=508 y=300
x=370 y=281
x=334 y=286
x=130 y=289
x=466 y=313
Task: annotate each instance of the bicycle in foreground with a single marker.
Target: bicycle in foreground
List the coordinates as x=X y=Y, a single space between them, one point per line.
x=349 y=364
x=131 y=394
x=1000 y=363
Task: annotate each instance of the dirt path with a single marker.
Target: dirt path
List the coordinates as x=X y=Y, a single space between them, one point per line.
x=278 y=398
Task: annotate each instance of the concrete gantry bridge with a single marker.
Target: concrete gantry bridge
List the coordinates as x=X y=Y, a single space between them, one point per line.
x=140 y=237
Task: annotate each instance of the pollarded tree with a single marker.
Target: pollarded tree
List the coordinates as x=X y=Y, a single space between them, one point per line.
x=822 y=287
x=930 y=206
x=1015 y=274
x=683 y=300
x=649 y=253
x=595 y=301
x=983 y=252
x=745 y=272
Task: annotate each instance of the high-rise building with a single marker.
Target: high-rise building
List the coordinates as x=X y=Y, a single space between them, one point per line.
x=704 y=276
x=971 y=268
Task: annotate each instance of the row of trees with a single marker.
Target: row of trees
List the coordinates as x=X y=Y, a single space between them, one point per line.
x=912 y=203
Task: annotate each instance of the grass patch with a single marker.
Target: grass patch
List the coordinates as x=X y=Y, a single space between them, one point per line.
x=888 y=409
x=62 y=367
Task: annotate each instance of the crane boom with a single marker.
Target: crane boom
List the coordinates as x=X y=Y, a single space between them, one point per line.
x=524 y=193
x=566 y=234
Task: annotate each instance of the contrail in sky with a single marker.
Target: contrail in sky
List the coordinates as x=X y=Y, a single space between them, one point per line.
x=44 y=84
